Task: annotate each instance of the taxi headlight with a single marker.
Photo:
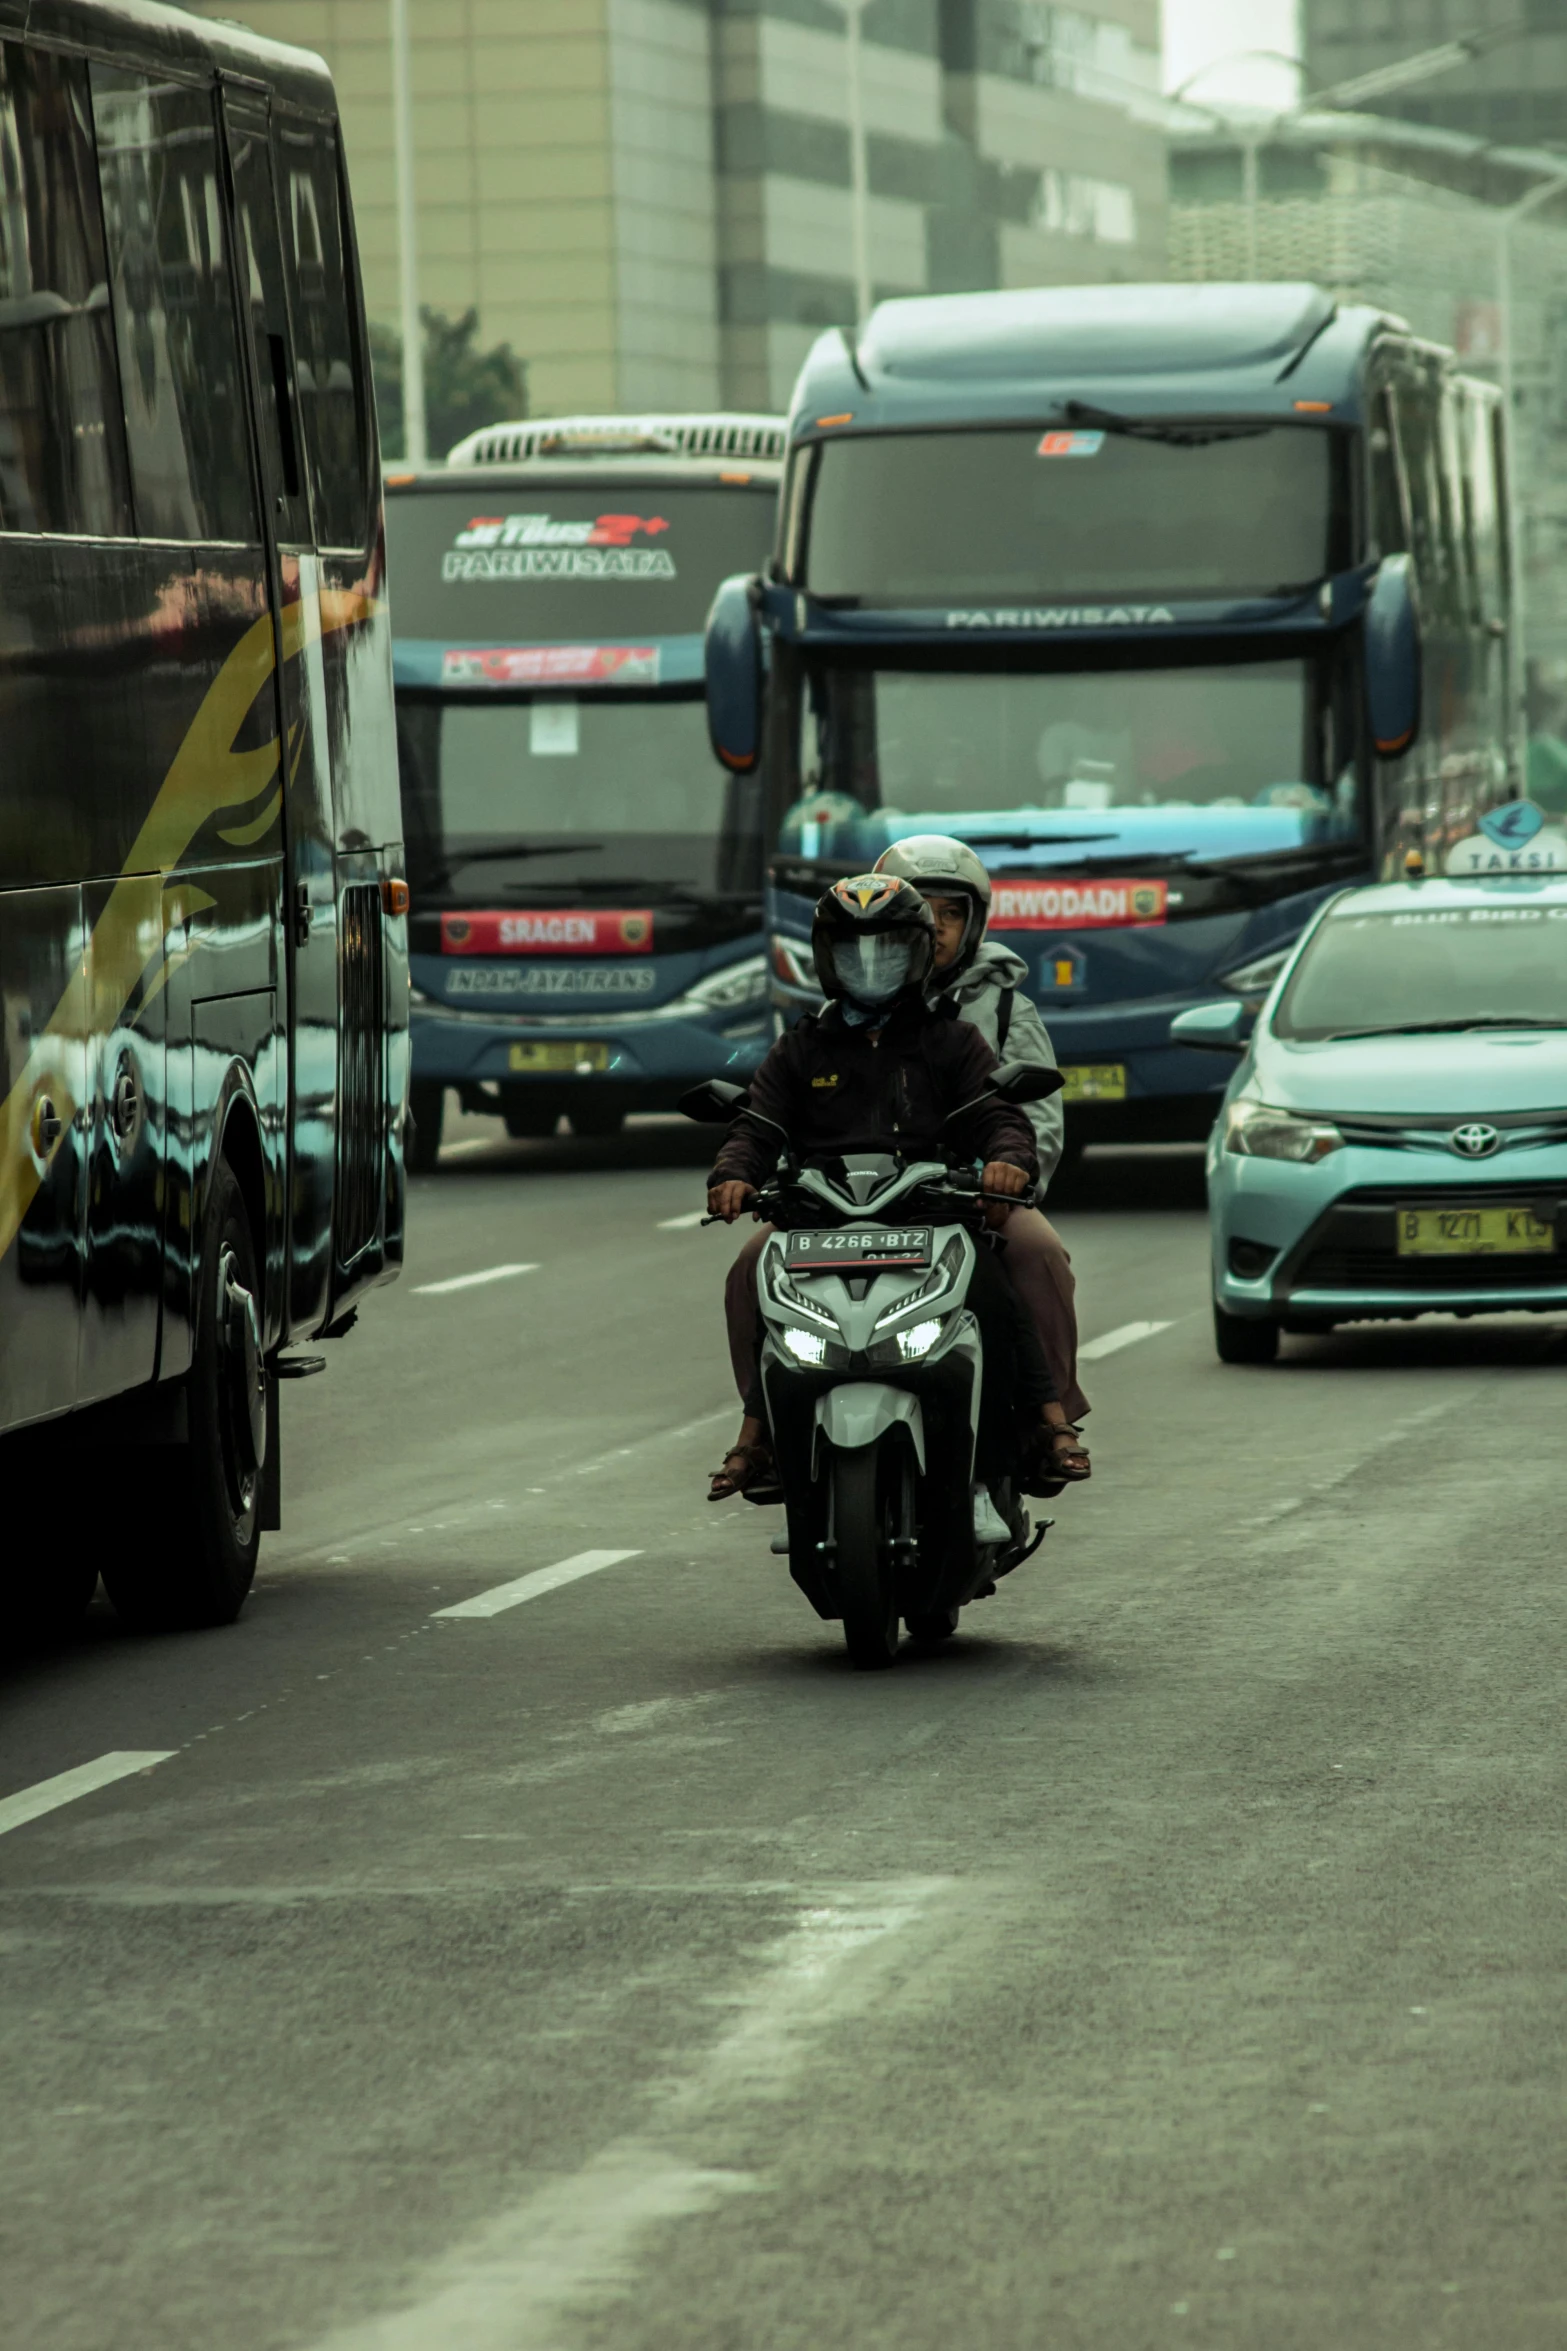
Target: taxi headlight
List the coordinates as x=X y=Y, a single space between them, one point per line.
x=1256 y=1131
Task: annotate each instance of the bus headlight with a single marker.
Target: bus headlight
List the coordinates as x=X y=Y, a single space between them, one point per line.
x=1255 y=1131
x=1253 y=980
x=734 y=989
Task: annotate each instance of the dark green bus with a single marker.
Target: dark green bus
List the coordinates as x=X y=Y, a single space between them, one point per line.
x=203 y=968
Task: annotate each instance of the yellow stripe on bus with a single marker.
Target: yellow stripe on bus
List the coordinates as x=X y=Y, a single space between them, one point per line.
x=206 y=774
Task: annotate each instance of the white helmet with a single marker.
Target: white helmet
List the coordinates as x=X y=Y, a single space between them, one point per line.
x=940 y=867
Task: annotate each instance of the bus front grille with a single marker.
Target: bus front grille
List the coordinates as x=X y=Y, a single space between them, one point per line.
x=361 y=1090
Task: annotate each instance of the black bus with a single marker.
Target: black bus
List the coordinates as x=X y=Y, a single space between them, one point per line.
x=203 y=968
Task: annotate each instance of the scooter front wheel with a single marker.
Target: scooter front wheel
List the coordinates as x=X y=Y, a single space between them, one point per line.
x=863 y=1567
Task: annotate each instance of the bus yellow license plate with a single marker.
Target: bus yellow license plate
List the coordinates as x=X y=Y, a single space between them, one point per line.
x=1473 y=1232
x=1096 y=1081
x=558 y=1058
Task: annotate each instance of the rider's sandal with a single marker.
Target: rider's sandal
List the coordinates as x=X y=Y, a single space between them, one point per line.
x=755 y=1469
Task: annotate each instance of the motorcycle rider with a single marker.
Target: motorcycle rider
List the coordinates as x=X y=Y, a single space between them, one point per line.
x=981 y=977
x=883 y=1069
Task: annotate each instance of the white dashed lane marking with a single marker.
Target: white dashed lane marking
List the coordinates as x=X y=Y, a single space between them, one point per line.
x=1113 y=1341
x=470 y=1281
x=48 y=1795
x=681 y=1224
x=543 y=1579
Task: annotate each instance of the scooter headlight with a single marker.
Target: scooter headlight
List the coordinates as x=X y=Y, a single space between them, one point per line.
x=910 y=1345
x=914 y=1345
x=808 y=1347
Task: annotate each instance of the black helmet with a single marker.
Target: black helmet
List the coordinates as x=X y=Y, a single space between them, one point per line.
x=874 y=939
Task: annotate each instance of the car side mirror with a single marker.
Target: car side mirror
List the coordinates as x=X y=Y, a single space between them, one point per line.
x=1213 y=1028
x=714 y=1103
x=1393 y=659
x=733 y=667
x=1026 y=1081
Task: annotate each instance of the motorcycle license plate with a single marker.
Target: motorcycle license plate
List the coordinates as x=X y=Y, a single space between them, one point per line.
x=846 y=1247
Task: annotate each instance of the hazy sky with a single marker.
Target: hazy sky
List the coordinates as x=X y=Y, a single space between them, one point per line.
x=1202 y=32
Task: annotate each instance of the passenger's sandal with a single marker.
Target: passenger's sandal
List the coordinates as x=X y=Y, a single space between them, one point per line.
x=755 y=1469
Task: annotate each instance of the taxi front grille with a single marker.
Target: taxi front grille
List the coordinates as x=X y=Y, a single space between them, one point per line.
x=1355 y=1245
x=1384 y=1269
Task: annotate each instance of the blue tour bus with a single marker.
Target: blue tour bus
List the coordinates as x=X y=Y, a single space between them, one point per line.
x=585 y=932
x=1134 y=589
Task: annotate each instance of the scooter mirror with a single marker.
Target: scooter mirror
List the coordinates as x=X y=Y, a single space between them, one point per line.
x=1026 y=1081
x=713 y=1103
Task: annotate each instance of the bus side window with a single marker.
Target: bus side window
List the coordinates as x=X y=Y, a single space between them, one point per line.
x=62 y=448
x=174 y=309
x=326 y=357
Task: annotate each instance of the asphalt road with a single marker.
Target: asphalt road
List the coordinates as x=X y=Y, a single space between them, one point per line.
x=1179 y=1958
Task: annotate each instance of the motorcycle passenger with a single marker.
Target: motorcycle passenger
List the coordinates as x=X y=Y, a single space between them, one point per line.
x=882 y=1069
x=981 y=977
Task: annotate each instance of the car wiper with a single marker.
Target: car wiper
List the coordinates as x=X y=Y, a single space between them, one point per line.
x=1145 y=428
x=1442 y=1028
x=1037 y=840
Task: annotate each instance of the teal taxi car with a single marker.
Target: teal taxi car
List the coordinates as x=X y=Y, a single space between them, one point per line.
x=1394 y=1139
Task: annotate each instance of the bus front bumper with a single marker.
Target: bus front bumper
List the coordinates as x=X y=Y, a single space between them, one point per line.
x=644 y=1061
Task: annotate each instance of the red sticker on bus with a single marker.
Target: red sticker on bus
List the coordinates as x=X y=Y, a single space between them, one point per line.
x=551 y=930
x=1076 y=906
x=550 y=665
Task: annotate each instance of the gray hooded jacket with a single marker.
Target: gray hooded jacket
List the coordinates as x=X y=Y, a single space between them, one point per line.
x=994 y=972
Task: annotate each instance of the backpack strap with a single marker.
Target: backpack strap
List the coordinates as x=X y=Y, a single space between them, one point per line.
x=1003 y=1019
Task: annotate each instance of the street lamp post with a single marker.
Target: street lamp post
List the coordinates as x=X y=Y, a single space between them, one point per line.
x=859 y=182
x=414 y=434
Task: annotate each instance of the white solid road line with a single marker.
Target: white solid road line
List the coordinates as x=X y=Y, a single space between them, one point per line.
x=1113 y=1341
x=470 y=1281
x=543 y=1579
x=681 y=1224
x=48 y=1795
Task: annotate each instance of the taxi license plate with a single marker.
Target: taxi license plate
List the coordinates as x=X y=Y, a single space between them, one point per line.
x=1094 y=1081
x=1473 y=1232
x=557 y=1056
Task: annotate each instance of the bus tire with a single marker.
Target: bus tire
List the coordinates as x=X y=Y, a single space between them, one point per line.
x=597 y=1121
x=196 y=1558
x=426 y=1109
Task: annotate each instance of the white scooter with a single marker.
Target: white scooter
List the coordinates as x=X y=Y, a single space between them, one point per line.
x=872 y=1369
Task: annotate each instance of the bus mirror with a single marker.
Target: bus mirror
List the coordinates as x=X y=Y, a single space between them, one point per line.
x=733 y=664
x=1393 y=659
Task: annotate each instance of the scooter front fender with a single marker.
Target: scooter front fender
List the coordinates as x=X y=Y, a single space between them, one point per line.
x=860 y=1412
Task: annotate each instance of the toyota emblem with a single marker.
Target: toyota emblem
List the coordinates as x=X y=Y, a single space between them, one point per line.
x=1475 y=1141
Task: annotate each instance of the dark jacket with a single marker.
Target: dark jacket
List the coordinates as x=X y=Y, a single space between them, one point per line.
x=836 y=1089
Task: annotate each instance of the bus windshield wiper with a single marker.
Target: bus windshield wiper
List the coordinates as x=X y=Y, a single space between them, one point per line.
x=1146 y=428
x=1037 y=840
x=1444 y=1028
x=445 y=873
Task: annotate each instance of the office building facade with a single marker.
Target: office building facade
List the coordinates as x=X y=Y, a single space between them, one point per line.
x=650 y=200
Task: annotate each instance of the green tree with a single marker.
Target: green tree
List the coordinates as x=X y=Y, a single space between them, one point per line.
x=464 y=388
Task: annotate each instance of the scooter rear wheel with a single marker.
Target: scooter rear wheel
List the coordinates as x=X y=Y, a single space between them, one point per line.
x=862 y=1511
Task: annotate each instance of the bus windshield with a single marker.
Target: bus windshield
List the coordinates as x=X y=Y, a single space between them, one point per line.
x=593 y=796
x=1244 y=757
x=553 y=562
x=933 y=520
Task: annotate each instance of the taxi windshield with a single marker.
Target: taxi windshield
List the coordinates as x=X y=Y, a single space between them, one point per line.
x=1430 y=968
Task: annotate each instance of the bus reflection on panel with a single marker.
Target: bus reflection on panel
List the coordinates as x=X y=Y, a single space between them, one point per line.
x=1130 y=587
x=202 y=954
x=586 y=928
